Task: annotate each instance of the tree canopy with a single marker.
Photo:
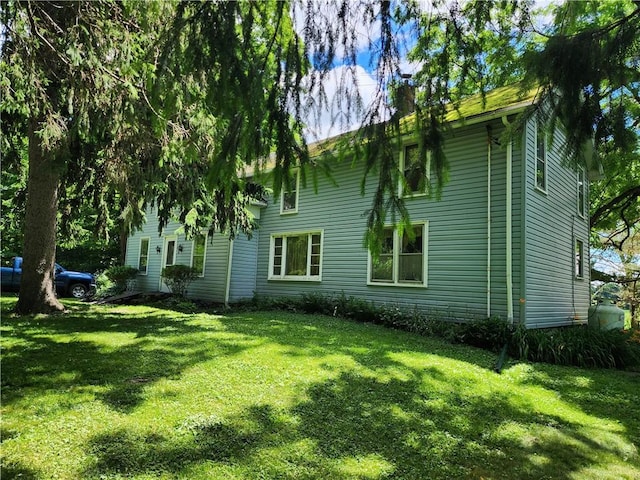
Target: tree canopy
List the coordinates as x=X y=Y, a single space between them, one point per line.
x=108 y=104
x=114 y=106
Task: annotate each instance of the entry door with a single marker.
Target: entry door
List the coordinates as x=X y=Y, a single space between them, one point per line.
x=168 y=258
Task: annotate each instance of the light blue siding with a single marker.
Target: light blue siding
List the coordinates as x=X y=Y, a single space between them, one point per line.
x=149 y=281
x=553 y=295
x=210 y=287
x=457 y=238
x=244 y=267
x=466 y=270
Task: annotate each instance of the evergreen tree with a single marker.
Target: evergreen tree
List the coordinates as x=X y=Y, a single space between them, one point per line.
x=111 y=104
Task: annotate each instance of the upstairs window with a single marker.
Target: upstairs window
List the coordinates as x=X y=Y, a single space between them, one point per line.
x=415 y=171
x=198 y=253
x=403 y=259
x=143 y=256
x=413 y=168
x=541 y=159
x=289 y=195
x=582 y=193
x=296 y=256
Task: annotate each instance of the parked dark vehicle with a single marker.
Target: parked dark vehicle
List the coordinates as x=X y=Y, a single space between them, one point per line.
x=68 y=283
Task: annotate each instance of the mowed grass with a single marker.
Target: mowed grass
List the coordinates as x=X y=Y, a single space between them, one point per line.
x=115 y=392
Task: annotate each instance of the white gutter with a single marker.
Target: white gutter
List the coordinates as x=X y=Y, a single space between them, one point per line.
x=491 y=115
x=489 y=140
x=509 y=233
x=227 y=290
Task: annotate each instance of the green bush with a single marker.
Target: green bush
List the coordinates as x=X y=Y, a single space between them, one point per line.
x=104 y=287
x=115 y=280
x=357 y=309
x=317 y=303
x=178 y=278
x=121 y=275
x=490 y=334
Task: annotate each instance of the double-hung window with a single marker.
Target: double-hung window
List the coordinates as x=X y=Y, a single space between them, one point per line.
x=541 y=159
x=296 y=256
x=403 y=258
x=289 y=195
x=581 y=193
x=143 y=256
x=198 y=253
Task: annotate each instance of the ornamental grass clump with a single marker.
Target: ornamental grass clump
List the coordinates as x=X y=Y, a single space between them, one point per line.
x=580 y=346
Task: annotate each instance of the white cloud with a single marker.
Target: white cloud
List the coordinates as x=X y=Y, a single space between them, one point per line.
x=346 y=93
x=333 y=106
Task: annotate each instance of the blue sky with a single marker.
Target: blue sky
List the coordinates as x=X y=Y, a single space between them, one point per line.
x=333 y=119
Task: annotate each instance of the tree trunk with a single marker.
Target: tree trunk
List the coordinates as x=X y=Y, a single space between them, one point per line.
x=37 y=289
x=124 y=235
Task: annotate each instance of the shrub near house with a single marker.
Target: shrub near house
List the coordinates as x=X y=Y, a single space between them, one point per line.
x=178 y=278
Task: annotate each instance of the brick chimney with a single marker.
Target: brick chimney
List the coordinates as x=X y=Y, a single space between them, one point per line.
x=406 y=96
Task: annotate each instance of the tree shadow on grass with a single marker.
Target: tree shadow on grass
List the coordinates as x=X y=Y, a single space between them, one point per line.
x=423 y=423
x=16 y=470
x=541 y=456
x=361 y=427
x=440 y=436
x=603 y=393
x=198 y=439
x=383 y=418
x=48 y=358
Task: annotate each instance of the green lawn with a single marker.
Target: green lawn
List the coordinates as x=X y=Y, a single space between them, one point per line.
x=113 y=392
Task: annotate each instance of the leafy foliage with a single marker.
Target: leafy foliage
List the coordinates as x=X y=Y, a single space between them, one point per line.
x=115 y=280
x=580 y=346
x=117 y=129
x=121 y=276
x=178 y=278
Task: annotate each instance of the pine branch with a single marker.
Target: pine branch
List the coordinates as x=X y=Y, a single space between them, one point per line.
x=625 y=198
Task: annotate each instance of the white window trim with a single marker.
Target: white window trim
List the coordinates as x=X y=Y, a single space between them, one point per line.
x=140 y=254
x=204 y=256
x=544 y=189
x=576 y=274
x=296 y=172
x=401 y=182
x=396 y=256
x=583 y=207
x=295 y=278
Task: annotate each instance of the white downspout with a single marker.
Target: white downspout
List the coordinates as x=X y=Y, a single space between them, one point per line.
x=489 y=140
x=509 y=233
x=227 y=290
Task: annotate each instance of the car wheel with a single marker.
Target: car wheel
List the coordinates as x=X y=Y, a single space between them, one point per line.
x=78 y=290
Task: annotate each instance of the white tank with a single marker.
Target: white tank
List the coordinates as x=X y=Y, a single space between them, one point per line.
x=606 y=315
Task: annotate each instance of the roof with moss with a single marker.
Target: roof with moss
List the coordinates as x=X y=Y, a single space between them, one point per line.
x=476 y=108
x=500 y=101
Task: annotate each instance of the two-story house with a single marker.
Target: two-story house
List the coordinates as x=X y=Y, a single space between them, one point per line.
x=508 y=237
